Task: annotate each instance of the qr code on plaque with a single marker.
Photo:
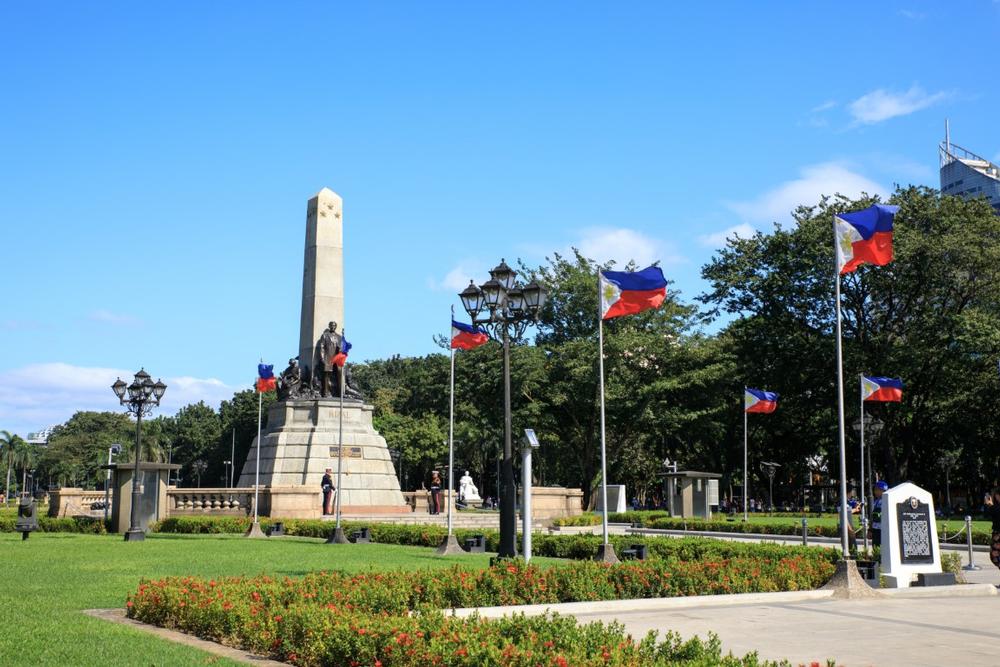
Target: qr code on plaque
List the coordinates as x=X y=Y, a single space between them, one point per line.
x=916 y=538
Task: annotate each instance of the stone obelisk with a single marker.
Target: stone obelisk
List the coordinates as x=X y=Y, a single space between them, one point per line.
x=322 y=273
x=303 y=433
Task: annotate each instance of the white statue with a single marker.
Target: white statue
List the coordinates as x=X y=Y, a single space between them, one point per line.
x=467 y=491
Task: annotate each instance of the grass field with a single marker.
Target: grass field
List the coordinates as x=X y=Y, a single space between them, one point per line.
x=50 y=578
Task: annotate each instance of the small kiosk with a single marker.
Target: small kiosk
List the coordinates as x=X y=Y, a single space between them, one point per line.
x=152 y=489
x=692 y=494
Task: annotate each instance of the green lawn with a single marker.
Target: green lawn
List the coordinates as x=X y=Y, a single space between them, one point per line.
x=49 y=578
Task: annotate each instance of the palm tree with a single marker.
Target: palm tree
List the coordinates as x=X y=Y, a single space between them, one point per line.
x=25 y=455
x=7 y=441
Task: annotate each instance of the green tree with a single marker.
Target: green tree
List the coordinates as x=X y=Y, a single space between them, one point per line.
x=77 y=449
x=930 y=317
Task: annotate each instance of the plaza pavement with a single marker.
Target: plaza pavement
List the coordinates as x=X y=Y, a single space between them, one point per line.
x=938 y=627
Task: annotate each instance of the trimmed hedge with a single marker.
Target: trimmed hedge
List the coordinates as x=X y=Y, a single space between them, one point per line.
x=353 y=619
x=75 y=524
x=573 y=547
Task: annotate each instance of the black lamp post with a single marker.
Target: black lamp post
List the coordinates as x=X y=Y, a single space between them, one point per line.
x=508 y=308
x=142 y=396
x=770 y=468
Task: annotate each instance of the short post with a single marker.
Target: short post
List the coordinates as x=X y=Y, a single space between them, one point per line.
x=968 y=539
x=526 y=501
x=805 y=531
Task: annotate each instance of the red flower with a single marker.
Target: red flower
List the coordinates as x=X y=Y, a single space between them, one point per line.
x=128 y=604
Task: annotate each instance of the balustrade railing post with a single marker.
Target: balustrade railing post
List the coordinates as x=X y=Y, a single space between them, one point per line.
x=968 y=539
x=805 y=531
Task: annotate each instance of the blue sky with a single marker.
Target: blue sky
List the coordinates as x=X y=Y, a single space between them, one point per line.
x=156 y=159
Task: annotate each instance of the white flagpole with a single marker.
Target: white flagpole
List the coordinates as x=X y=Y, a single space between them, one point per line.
x=745 y=476
x=256 y=473
x=604 y=467
x=232 y=459
x=840 y=405
x=861 y=483
x=451 y=431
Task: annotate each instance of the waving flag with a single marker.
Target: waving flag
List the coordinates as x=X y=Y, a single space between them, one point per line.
x=340 y=358
x=864 y=237
x=627 y=293
x=466 y=337
x=265 y=378
x=888 y=390
x=756 y=400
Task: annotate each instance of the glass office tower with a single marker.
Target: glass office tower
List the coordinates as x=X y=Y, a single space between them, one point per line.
x=965 y=174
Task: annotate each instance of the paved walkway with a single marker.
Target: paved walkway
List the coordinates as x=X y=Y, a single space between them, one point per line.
x=931 y=631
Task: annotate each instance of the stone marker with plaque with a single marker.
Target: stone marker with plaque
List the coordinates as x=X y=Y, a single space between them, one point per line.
x=909 y=535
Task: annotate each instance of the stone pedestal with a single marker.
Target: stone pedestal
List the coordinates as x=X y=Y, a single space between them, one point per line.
x=301 y=442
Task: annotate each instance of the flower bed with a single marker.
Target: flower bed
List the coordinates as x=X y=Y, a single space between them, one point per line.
x=365 y=619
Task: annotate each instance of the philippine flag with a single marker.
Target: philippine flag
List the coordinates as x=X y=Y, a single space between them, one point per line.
x=864 y=237
x=627 y=293
x=887 y=390
x=466 y=337
x=265 y=378
x=340 y=358
x=757 y=400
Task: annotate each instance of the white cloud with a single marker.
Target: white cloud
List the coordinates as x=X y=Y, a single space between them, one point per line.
x=458 y=278
x=825 y=106
x=912 y=15
x=116 y=319
x=622 y=245
x=827 y=178
x=39 y=395
x=718 y=239
x=881 y=104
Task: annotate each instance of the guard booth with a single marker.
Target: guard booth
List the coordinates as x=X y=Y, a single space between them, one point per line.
x=153 y=478
x=692 y=494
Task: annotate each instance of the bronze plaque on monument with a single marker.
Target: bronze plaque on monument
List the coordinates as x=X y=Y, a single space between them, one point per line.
x=349 y=453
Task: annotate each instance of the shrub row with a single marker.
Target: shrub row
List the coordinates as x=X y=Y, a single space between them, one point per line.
x=669 y=523
x=574 y=547
x=336 y=618
x=76 y=524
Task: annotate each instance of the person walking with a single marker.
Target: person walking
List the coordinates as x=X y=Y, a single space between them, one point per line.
x=435 y=492
x=328 y=488
x=992 y=502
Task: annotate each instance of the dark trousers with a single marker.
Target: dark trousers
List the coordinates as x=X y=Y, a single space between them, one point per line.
x=995 y=549
x=435 y=500
x=327 y=501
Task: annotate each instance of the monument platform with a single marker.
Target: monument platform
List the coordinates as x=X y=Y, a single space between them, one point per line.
x=301 y=442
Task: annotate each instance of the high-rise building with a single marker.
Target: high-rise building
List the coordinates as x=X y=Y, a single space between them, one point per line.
x=967 y=175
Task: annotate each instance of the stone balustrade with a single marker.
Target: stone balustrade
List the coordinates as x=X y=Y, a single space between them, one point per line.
x=218 y=501
x=71 y=501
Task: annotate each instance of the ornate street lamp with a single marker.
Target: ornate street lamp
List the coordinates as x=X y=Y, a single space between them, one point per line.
x=143 y=396
x=870 y=427
x=507 y=309
x=770 y=468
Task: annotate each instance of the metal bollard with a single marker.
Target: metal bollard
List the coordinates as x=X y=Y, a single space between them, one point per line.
x=968 y=539
x=805 y=532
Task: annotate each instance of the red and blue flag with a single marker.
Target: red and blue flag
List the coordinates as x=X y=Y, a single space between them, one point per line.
x=466 y=337
x=757 y=400
x=864 y=237
x=631 y=292
x=340 y=358
x=265 y=378
x=886 y=390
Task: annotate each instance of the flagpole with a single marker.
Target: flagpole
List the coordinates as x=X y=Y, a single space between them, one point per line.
x=451 y=432
x=840 y=409
x=864 y=509
x=232 y=459
x=604 y=467
x=256 y=473
x=745 y=490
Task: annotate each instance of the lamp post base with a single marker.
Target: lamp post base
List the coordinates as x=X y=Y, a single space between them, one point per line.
x=450 y=547
x=134 y=535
